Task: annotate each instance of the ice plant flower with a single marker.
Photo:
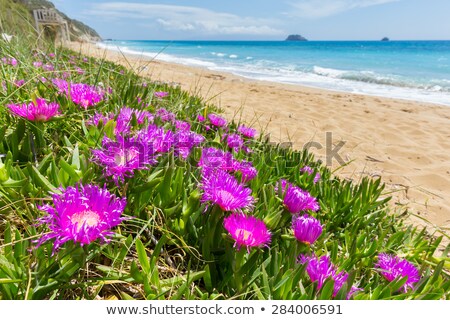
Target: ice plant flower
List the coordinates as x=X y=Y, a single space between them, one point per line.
x=216 y=159
x=297 y=200
x=99 y=117
x=224 y=190
x=247 y=170
x=200 y=118
x=126 y=115
x=85 y=95
x=61 y=84
x=81 y=214
x=165 y=115
x=156 y=139
x=40 y=110
x=121 y=158
x=213 y=159
x=19 y=83
x=392 y=267
x=247 y=131
x=306 y=229
x=217 y=121
x=235 y=142
x=321 y=269
x=160 y=94
x=184 y=141
x=182 y=125
x=247 y=231
x=48 y=67
x=309 y=171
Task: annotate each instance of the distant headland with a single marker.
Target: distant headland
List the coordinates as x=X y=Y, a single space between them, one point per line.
x=385 y=39
x=296 y=37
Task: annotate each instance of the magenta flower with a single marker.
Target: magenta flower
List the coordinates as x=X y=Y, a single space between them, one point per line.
x=216 y=120
x=126 y=115
x=216 y=159
x=157 y=139
x=40 y=110
x=160 y=94
x=37 y=64
x=99 y=117
x=48 y=67
x=306 y=229
x=310 y=171
x=61 y=84
x=297 y=200
x=184 y=141
x=9 y=61
x=19 y=83
x=247 y=231
x=392 y=267
x=85 y=95
x=81 y=214
x=247 y=170
x=224 y=190
x=165 y=115
x=321 y=269
x=182 y=125
x=247 y=132
x=235 y=142
x=200 y=118
x=213 y=159
x=120 y=159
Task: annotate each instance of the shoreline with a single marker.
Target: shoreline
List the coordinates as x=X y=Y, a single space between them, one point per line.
x=314 y=80
x=404 y=142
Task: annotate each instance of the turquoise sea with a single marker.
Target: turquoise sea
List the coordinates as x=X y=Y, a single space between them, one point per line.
x=414 y=70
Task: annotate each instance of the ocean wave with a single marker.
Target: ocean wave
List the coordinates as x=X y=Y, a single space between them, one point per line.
x=389 y=80
x=158 y=55
x=233 y=56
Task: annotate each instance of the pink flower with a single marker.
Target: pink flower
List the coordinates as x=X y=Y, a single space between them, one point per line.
x=247 y=231
x=297 y=200
x=247 y=132
x=40 y=110
x=392 y=267
x=306 y=229
x=225 y=191
x=85 y=95
x=216 y=120
x=321 y=269
x=81 y=214
x=310 y=171
x=160 y=94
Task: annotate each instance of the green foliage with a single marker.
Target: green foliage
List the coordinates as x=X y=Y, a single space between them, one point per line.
x=171 y=247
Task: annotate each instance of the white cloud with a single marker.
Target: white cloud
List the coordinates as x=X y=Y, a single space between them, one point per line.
x=314 y=9
x=185 y=18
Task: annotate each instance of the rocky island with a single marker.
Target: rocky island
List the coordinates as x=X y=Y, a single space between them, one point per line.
x=296 y=37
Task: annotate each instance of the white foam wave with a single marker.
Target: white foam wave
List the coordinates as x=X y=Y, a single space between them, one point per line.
x=159 y=56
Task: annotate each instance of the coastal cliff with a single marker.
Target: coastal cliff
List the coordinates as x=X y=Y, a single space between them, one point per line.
x=78 y=30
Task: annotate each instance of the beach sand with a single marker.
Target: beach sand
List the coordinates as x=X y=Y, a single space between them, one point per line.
x=406 y=143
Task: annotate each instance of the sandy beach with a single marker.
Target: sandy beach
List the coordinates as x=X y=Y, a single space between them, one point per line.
x=404 y=142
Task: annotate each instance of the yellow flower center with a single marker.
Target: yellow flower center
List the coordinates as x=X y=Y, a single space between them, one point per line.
x=245 y=234
x=88 y=218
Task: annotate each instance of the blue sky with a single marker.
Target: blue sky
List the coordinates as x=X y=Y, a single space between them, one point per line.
x=263 y=19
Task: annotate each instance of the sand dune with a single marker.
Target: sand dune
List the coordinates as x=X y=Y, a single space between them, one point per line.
x=407 y=143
